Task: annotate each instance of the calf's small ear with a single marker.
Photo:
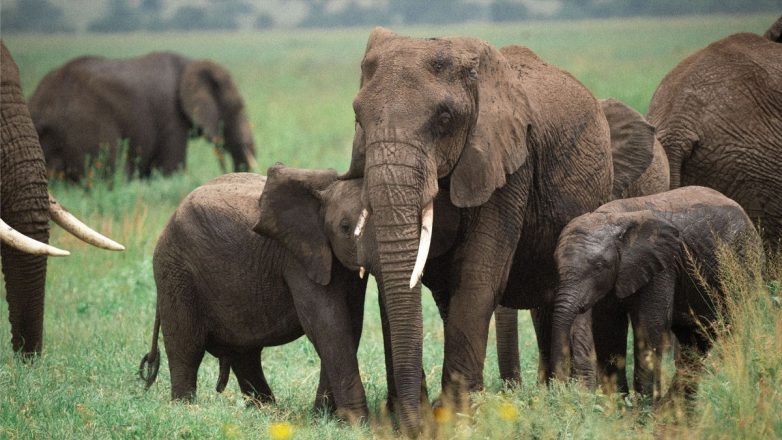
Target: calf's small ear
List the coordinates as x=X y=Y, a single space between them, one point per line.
x=647 y=245
x=290 y=213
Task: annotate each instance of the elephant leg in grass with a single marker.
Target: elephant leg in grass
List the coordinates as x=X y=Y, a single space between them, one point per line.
x=650 y=312
x=481 y=274
x=249 y=373
x=609 y=327
x=694 y=346
x=506 y=321
x=582 y=343
x=334 y=331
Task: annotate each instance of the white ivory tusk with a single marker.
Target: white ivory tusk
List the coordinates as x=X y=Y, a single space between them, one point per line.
x=16 y=239
x=427 y=218
x=67 y=221
x=361 y=272
x=362 y=220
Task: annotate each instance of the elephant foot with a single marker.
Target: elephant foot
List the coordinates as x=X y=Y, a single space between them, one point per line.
x=324 y=404
x=353 y=416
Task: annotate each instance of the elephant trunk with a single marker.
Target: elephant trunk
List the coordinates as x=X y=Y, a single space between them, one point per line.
x=396 y=197
x=507 y=323
x=565 y=313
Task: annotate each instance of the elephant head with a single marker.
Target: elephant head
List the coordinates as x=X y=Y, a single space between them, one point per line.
x=313 y=215
x=774 y=33
x=26 y=210
x=212 y=102
x=603 y=253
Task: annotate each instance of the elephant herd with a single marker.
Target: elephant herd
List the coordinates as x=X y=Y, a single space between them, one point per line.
x=488 y=175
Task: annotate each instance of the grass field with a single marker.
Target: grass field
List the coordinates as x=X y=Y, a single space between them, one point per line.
x=298 y=86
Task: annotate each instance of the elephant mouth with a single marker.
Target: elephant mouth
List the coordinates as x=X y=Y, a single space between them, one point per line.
x=424 y=243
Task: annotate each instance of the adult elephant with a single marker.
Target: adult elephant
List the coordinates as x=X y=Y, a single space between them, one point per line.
x=719 y=117
x=522 y=147
x=633 y=147
x=156 y=102
x=27 y=208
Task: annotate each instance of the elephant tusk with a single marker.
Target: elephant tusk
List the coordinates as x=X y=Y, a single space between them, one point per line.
x=16 y=239
x=427 y=218
x=250 y=158
x=362 y=220
x=361 y=272
x=67 y=221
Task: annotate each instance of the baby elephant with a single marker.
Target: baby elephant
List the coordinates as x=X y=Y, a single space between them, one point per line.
x=224 y=289
x=642 y=250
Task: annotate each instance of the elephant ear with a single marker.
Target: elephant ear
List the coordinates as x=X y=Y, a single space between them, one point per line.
x=208 y=95
x=632 y=143
x=290 y=213
x=497 y=142
x=646 y=246
x=774 y=33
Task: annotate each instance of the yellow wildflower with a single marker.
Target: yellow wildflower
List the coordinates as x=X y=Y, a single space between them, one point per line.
x=442 y=415
x=508 y=412
x=280 y=431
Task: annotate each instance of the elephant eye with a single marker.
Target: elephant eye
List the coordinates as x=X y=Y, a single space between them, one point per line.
x=445 y=118
x=344 y=227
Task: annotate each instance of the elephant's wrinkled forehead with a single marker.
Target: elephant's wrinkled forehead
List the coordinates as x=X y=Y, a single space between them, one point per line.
x=401 y=54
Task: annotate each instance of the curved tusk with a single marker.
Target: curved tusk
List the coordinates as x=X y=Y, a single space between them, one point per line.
x=16 y=239
x=362 y=220
x=67 y=221
x=361 y=272
x=427 y=218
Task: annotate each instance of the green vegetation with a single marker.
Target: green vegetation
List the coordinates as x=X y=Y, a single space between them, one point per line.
x=299 y=87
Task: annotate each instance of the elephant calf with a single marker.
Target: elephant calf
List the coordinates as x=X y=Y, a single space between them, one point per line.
x=229 y=291
x=640 y=250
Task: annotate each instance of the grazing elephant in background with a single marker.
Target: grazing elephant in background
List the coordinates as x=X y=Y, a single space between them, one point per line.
x=719 y=117
x=522 y=147
x=641 y=251
x=26 y=210
x=156 y=102
x=633 y=147
x=226 y=290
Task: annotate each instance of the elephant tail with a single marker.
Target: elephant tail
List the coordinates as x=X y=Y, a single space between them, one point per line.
x=150 y=363
x=222 y=379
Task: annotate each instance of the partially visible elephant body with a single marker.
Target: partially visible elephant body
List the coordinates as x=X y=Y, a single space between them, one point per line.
x=719 y=117
x=642 y=252
x=85 y=109
x=24 y=206
x=226 y=290
x=640 y=168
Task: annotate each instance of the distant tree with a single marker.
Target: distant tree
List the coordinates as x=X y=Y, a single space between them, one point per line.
x=435 y=11
x=33 y=16
x=120 y=18
x=221 y=14
x=507 y=10
x=264 y=21
x=353 y=14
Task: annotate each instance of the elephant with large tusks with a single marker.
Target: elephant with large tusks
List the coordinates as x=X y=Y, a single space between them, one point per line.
x=719 y=117
x=659 y=256
x=26 y=208
x=223 y=289
x=156 y=102
x=522 y=148
x=634 y=150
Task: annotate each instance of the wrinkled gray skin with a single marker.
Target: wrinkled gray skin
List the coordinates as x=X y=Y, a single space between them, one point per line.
x=25 y=207
x=229 y=291
x=633 y=142
x=522 y=148
x=719 y=117
x=638 y=250
x=156 y=102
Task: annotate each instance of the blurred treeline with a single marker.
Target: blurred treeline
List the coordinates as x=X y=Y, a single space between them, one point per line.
x=181 y=15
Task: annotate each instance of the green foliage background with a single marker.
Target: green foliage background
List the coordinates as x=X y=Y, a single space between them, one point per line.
x=298 y=86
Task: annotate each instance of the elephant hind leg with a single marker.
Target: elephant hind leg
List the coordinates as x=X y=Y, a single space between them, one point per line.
x=249 y=373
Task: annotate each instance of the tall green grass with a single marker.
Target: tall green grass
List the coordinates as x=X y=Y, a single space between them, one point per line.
x=298 y=86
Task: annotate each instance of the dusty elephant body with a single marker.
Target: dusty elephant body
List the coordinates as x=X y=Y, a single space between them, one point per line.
x=521 y=146
x=718 y=116
x=642 y=251
x=640 y=168
x=27 y=208
x=156 y=102
x=229 y=291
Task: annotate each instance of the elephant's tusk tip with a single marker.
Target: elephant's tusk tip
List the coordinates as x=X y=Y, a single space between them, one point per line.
x=361 y=272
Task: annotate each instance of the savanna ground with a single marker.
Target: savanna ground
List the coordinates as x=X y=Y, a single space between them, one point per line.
x=299 y=85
